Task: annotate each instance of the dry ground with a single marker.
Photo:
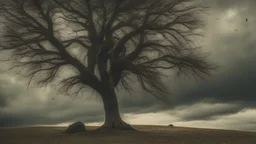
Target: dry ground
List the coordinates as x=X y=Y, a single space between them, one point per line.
x=145 y=135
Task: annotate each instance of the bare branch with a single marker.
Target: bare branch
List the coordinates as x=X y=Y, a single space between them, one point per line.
x=117 y=38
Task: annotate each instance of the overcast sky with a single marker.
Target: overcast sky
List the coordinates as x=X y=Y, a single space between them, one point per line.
x=226 y=100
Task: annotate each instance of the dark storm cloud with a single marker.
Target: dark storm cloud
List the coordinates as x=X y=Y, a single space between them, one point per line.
x=234 y=52
x=3 y=101
x=20 y=107
x=43 y=118
x=223 y=4
x=7 y=93
x=50 y=113
x=235 y=85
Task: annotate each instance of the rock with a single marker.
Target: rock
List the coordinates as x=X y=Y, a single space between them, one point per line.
x=75 y=128
x=170 y=125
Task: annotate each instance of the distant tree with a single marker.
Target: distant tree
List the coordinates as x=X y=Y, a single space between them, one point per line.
x=105 y=42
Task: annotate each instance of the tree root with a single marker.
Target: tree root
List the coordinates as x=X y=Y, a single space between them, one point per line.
x=122 y=126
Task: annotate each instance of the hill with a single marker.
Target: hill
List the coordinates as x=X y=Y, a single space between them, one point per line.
x=144 y=135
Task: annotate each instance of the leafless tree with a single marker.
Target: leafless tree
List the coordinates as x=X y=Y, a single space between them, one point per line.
x=105 y=42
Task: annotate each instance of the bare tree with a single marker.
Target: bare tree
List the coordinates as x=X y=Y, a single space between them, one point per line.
x=105 y=42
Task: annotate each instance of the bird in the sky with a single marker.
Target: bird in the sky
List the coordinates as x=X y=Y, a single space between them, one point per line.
x=246 y=19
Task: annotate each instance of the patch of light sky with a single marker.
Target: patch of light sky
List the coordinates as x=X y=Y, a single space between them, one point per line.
x=228 y=22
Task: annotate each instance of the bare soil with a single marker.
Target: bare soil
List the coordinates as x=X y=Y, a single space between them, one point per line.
x=144 y=135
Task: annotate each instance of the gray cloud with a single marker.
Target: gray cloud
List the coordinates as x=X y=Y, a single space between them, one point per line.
x=206 y=111
x=39 y=106
x=6 y=92
x=234 y=51
x=220 y=4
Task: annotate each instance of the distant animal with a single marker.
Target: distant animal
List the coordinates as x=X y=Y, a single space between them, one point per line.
x=246 y=19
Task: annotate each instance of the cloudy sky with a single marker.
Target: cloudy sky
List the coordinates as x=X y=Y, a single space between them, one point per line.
x=226 y=100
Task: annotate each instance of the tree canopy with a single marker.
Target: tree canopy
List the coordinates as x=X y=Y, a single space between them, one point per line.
x=104 y=41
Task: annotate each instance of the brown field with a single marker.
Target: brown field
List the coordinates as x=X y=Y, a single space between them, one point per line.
x=145 y=135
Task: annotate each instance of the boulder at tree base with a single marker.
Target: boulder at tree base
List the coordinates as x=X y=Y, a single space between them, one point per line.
x=75 y=128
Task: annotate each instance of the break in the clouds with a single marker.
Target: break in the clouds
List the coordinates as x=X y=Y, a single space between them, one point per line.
x=224 y=100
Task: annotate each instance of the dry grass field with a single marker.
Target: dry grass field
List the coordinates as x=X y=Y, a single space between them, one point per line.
x=144 y=135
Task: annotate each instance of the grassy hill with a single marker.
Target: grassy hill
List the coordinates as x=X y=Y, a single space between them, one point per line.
x=144 y=135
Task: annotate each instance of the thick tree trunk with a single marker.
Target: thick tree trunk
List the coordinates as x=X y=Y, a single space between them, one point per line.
x=113 y=120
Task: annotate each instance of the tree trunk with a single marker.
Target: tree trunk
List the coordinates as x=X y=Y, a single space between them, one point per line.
x=113 y=119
